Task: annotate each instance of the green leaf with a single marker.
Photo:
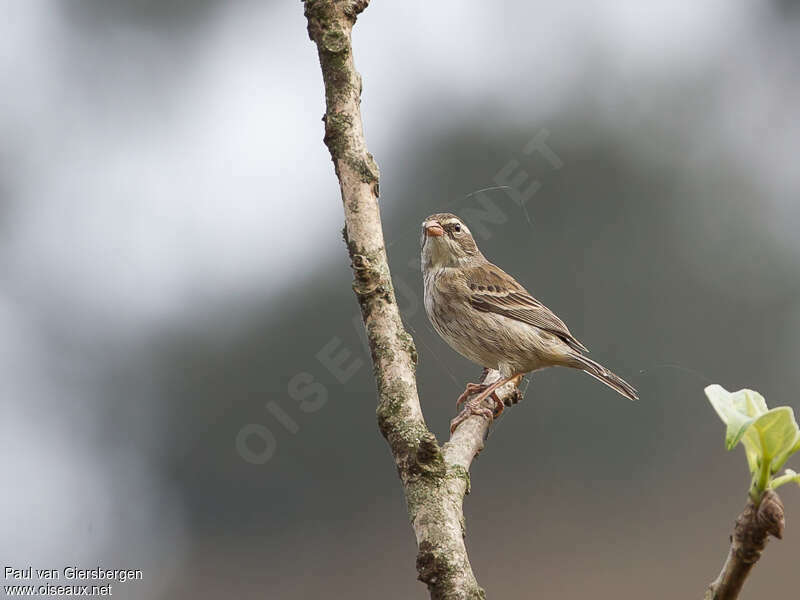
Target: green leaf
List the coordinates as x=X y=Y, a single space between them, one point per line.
x=777 y=430
x=791 y=439
x=737 y=410
x=772 y=438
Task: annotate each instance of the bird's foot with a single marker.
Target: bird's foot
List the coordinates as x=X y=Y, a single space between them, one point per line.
x=471 y=407
x=474 y=406
x=472 y=388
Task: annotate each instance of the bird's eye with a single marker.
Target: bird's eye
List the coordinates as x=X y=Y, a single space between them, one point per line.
x=457 y=227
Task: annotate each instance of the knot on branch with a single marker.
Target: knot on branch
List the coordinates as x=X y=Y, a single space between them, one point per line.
x=334 y=41
x=435 y=569
x=428 y=448
x=428 y=459
x=431 y=565
x=756 y=524
x=337 y=127
x=770 y=514
x=353 y=8
x=324 y=14
x=368 y=170
x=368 y=280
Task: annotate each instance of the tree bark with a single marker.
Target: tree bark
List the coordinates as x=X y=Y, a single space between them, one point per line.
x=750 y=535
x=435 y=478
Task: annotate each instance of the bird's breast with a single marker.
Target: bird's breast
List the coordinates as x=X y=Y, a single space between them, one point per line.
x=488 y=339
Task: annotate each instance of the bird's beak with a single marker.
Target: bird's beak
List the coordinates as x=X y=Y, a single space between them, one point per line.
x=433 y=229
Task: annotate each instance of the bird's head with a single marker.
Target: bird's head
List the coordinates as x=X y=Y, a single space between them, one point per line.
x=446 y=241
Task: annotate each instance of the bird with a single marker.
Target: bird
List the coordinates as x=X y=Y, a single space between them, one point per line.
x=485 y=315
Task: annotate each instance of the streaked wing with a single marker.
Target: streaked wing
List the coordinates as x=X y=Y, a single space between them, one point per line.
x=493 y=290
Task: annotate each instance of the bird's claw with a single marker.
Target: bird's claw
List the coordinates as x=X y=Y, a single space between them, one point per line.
x=472 y=388
x=475 y=405
x=471 y=408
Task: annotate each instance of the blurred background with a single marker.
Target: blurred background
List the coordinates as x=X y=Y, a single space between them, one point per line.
x=173 y=281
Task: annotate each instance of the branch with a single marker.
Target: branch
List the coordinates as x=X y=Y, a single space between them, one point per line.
x=435 y=504
x=750 y=533
x=435 y=479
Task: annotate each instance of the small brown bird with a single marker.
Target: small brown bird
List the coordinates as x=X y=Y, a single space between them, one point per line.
x=486 y=316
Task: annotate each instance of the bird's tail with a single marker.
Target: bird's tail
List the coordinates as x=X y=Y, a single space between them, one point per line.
x=599 y=372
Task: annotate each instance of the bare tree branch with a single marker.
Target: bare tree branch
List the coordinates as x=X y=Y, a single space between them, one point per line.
x=750 y=534
x=435 y=479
